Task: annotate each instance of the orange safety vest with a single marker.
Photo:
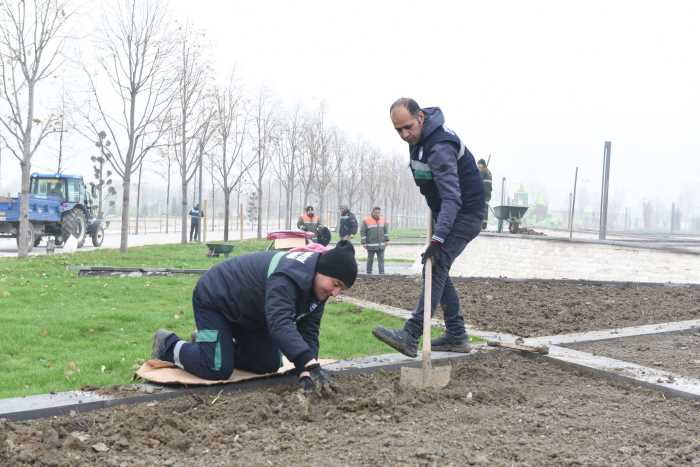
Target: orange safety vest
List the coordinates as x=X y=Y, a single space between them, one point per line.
x=374 y=235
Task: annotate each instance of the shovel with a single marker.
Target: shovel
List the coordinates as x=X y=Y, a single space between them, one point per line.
x=426 y=376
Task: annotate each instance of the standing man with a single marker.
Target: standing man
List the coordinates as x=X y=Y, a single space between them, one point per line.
x=486 y=176
x=195 y=215
x=374 y=236
x=447 y=176
x=347 y=224
x=309 y=221
x=251 y=309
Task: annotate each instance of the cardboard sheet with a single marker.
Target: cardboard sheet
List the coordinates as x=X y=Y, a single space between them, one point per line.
x=160 y=372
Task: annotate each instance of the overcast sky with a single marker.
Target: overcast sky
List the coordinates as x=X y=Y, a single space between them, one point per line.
x=539 y=85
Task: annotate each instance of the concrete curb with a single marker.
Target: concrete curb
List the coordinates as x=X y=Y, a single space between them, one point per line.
x=618 y=370
x=49 y=405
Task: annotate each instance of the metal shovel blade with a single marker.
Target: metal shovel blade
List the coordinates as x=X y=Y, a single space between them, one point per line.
x=426 y=378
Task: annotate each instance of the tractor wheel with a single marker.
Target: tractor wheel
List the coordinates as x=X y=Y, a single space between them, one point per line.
x=98 y=236
x=74 y=223
x=30 y=236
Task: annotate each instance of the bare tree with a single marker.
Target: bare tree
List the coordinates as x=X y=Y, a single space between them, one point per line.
x=164 y=165
x=263 y=128
x=357 y=153
x=191 y=117
x=287 y=147
x=325 y=161
x=230 y=128
x=313 y=143
x=29 y=47
x=134 y=49
x=371 y=178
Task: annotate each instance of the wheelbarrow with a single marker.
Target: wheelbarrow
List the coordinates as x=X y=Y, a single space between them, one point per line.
x=511 y=214
x=218 y=249
x=288 y=239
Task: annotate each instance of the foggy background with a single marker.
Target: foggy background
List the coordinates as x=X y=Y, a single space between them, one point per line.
x=539 y=86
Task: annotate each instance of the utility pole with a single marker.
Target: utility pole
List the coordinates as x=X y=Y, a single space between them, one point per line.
x=602 y=232
x=573 y=207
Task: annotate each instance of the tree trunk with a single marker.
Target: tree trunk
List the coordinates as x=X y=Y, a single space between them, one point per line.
x=23 y=250
x=183 y=212
x=213 y=190
x=167 y=202
x=126 y=185
x=322 y=203
x=227 y=204
x=138 y=200
x=259 y=220
x=288 y=208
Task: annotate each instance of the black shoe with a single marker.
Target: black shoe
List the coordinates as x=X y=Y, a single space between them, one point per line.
x=447 y=343
x=160 y=344
x=398 y=339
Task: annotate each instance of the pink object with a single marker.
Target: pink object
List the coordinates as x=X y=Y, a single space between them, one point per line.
x=314 y=247
x=288 y=234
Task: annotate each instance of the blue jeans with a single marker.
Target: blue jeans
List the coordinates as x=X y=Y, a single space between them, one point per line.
x=443 y=292
x=380 y=260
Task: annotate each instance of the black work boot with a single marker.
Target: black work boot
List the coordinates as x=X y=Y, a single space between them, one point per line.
x=162 y=345
x=398 y=339
x=447 y=343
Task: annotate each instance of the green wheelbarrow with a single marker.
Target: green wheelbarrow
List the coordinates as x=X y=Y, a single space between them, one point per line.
x=218 y=249
x=511 y=214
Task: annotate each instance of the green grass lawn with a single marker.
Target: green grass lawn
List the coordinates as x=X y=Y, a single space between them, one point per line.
x=62 y=332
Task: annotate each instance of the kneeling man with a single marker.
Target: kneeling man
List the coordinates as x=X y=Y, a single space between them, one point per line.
x=251 y=309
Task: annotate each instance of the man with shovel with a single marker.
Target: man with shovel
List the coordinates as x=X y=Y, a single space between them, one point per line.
x=251 y=309
x=446 y=174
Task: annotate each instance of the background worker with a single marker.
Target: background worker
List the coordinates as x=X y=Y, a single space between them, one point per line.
x=486 y=176
x=251 y=309
x=195 y=217
x=347 y=224
x=309 y=221
x=446 y=174
x=374 y=235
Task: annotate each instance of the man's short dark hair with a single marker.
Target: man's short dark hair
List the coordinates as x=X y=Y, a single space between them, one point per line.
x=482 y=162
x=410 y=105
x=376 y=207
x=308 y=207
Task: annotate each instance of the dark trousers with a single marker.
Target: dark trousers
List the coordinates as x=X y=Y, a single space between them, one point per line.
x=443 y=292
x=194 y=230
x=222 y=346
x=380 y=260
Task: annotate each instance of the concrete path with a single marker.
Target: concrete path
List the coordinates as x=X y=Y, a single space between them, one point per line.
x=525 y=258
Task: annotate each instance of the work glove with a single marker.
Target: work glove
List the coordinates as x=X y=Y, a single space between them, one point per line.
x=433 y=251
x=316 y=381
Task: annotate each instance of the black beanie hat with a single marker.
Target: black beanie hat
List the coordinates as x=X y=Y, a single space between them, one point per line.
x=339 y=263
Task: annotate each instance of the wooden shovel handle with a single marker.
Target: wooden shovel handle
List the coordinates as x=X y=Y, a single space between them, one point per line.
x=427 y=299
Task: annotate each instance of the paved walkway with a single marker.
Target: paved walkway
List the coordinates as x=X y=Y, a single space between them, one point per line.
x=524 y=258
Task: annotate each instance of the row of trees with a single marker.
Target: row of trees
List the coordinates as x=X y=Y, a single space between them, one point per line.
x=153 y=98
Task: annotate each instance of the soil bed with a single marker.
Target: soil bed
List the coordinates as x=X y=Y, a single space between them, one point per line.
x=545 y=307
x=677 y=352
x=500 y=408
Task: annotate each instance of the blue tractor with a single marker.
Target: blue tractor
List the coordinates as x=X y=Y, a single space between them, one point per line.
x=59 y=206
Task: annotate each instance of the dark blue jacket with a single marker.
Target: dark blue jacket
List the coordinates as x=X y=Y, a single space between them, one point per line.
x=347 y=224
x=446 y=173
x=196 y=214
x=269 y=291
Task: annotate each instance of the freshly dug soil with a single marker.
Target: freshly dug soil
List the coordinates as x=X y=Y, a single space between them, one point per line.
x=544 y=307
x=499 y=409
x=677 y=352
